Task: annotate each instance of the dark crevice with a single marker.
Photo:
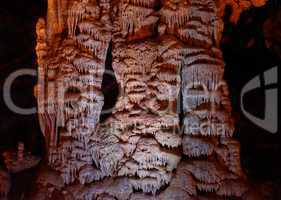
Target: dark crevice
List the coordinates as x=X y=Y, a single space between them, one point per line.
x=110 y=88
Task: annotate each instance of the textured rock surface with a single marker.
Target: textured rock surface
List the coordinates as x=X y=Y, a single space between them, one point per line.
x=158 y=49
x=71 y=56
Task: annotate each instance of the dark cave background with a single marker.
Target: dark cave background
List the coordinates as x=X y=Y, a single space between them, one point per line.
x=250 y=47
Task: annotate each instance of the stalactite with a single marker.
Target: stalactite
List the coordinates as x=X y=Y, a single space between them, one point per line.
x=75 y=15
x=131 y=16
x=143 y=3
x=175 y=18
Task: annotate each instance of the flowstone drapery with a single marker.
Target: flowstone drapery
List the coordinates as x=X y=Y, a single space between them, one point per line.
x=213 y=158
x=165 y=55
x=69 y=90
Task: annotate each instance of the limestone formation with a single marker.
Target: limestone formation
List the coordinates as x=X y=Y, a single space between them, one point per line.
x=71 y=62
x=165 y=56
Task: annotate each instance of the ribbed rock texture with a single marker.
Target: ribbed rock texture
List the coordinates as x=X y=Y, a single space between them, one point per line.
x=166 y=58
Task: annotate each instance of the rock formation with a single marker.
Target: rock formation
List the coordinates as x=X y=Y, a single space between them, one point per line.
x=15 y=161
x=71 y=67
x=20 y=160
x=166 y=56
x=212 y=161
